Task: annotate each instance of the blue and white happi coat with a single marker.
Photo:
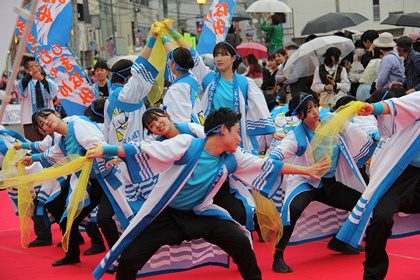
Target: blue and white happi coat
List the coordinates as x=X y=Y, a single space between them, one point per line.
x=319 y=221
x=84 y=136
x=125 y=106
x=182 y=97
x=28 y=96
x=175 y=160
x=248 y=100
x=399 y=144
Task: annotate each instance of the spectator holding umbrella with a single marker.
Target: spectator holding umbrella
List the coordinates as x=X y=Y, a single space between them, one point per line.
x=274 y=32
x=330 y=79
x=390 y=68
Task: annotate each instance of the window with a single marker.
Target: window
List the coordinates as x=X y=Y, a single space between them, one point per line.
x=376 y=10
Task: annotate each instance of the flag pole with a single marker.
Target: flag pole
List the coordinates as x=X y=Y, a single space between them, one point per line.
x=83 y=71
x=5 y=96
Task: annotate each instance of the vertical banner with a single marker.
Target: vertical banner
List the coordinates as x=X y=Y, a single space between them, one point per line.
x=47 y=42
x=216 y=25
x=199 y=22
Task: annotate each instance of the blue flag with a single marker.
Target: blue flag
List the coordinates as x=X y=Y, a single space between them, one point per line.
x=216 y=25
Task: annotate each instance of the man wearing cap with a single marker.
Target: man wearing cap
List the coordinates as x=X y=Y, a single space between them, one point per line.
x=411 y=65
x=390 y=67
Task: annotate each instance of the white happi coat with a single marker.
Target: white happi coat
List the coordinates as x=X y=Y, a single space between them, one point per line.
x=175 y=159
x=294 y=146
x=399 y=144
x=250 y=103
x=125 y=107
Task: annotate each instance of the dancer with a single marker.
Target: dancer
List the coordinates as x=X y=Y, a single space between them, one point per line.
x=193 y=169
x=77 y=136
x=332 y=190
x=182 y=96
x=395 y=179
x=124 y=107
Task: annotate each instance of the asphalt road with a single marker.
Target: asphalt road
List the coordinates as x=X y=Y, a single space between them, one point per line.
x=15 y=127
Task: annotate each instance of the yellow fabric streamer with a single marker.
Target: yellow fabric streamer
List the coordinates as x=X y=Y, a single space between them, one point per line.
x=158 y=60
x=269 y=220
x=327 y=133
x=76 y=202
x=26 y=193
x=68 y=165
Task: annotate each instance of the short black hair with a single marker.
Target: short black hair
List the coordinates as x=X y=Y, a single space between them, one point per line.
x=343 y=101
x=27 y=60
x=310 y=37
x=221 y=116
x=405 y=44
x=183 y=58
x=332 y=51
x=370 y=35
x=379 y=94
x=100 y=64
x=120 y=71
x=275 y=19
x=359 y=44
x=99 y=107
x=280 y=51
x=295 y=101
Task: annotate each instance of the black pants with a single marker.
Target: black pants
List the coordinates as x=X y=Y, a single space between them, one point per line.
x=332 y=193
x=402 y=196
x=42 y=231
x=106 y=222
x=57 y=207
x=172 y=226
x=227 y=200
x=95 y=197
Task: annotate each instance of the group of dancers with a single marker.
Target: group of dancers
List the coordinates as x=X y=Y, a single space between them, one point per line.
x=184 y=172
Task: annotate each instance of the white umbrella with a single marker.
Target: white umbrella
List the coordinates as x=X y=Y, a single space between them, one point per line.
x=111 y=61
x=268 y=6
x=304 y=60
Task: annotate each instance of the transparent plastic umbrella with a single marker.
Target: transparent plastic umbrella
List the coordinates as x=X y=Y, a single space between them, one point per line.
x=303 y=61
x=268 y=6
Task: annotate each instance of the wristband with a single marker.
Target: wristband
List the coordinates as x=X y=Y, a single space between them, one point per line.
x=36 y=157
x=379 y=108
x=165 y=39
x=25 y=146
x=175 y=34
x=151 y=42
x=110 y=150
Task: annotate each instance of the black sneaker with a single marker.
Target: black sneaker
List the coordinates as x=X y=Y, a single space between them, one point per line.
x=65 y=261
x=95 y=249
x=339 y=246
x=40 y=243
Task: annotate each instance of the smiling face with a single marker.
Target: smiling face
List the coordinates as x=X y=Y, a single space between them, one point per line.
x=100 y=74
x=160 y=125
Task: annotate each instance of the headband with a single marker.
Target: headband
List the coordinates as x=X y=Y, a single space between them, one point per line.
x=92 y=107
x=177 y=67
x=236 y=54
x=386 y=93
x=35 y=125
x=216 y=129
x=295 y=112
x=120 y=71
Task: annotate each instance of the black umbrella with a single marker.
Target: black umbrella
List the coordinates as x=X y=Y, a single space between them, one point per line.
x=331 y=22
x=408 y=19
x=240 y=17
